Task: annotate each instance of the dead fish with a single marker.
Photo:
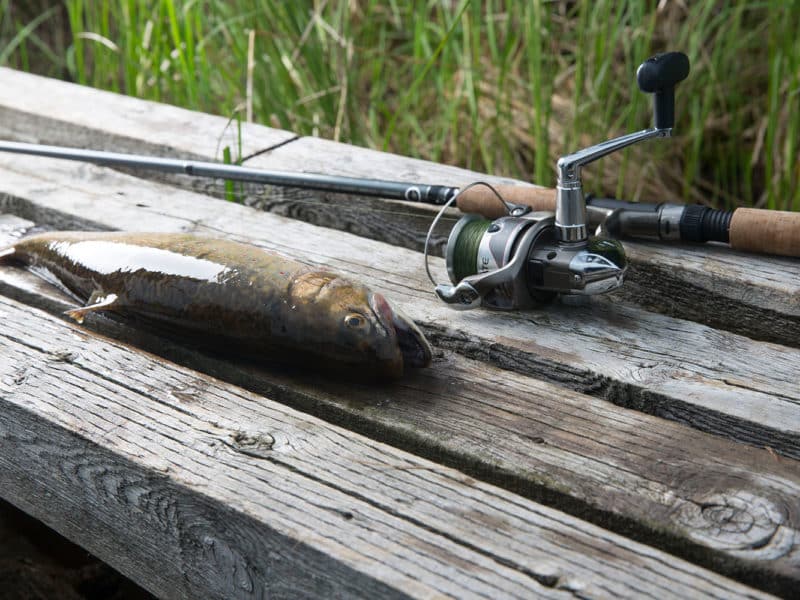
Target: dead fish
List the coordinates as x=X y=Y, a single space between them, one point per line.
x=262 y=304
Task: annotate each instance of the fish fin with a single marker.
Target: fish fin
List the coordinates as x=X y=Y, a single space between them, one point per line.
x=96 y=302
x=6 y=253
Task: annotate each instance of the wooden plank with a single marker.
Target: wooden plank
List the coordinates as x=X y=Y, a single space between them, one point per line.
x=658 y=481
x=744 y=294
x=712 y=380
x=12 y=228
x=35 y=109
x=197 y=488
x=614 y=378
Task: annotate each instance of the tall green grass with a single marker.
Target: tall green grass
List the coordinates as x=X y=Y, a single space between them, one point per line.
x=501 y=86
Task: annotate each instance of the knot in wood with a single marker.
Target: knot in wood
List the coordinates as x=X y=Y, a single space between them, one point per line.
x=257 y=445
x=64 y=355
x=738 y=522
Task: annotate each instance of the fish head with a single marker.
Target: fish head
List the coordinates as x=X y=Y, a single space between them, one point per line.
x=351 y=326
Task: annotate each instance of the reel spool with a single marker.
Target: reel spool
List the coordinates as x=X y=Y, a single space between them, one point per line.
x=477 y=245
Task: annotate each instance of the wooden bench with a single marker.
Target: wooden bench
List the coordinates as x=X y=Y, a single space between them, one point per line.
x=644 y=445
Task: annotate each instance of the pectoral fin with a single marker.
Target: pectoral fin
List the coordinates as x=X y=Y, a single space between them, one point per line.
x=96 y=302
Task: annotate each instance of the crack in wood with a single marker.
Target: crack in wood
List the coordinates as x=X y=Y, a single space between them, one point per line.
x=545 y=579
x=661 y=291
x=620 y=393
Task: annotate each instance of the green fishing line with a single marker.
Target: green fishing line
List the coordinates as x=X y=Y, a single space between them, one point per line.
x=465 y=254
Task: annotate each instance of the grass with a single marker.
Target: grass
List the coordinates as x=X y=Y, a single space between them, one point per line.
x=499 y=86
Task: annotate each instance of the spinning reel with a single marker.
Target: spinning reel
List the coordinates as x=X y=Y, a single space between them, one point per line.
x=525 y=258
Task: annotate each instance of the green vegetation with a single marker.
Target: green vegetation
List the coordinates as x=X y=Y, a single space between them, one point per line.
x=501 y=86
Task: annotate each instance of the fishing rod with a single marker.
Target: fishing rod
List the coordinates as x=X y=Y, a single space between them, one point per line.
x=753 y=230
x=763 y=231
x=517 y=246
x=395 y=190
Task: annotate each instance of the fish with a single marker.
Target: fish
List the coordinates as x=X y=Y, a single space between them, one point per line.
x=238 y=297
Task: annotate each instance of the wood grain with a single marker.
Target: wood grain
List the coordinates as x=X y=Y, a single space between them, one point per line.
x=54 y=112
x=39 y=109
x=751 y=295
x=197 y=488
x=730 y=507
x=709 y=379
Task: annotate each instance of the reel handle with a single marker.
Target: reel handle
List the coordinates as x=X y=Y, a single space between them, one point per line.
x=659 y=75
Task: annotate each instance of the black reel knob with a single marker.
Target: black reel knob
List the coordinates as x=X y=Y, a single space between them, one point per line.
x=659 y=75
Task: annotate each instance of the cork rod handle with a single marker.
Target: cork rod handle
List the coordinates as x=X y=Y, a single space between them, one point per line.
x=766 y=231
x=481 y=200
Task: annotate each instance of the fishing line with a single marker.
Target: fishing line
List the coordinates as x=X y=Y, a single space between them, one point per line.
x=508 y=207
x=465 y=248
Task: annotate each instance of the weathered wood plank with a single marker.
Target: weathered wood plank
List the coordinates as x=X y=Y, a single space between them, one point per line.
x=36 y=108
x=709 y=379
x=661 y=482
x=194 y=487
x=745 y=294
x=605 y=350
x=748 y=294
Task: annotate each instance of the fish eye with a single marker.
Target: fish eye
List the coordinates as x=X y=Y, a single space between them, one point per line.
x=355 y=321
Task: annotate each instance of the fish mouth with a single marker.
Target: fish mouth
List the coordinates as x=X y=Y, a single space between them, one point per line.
x=415 y=349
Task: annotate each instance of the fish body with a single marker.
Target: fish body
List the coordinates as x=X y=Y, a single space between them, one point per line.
x=261 y=304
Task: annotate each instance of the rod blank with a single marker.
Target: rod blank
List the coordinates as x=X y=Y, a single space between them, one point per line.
x=431 y=194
